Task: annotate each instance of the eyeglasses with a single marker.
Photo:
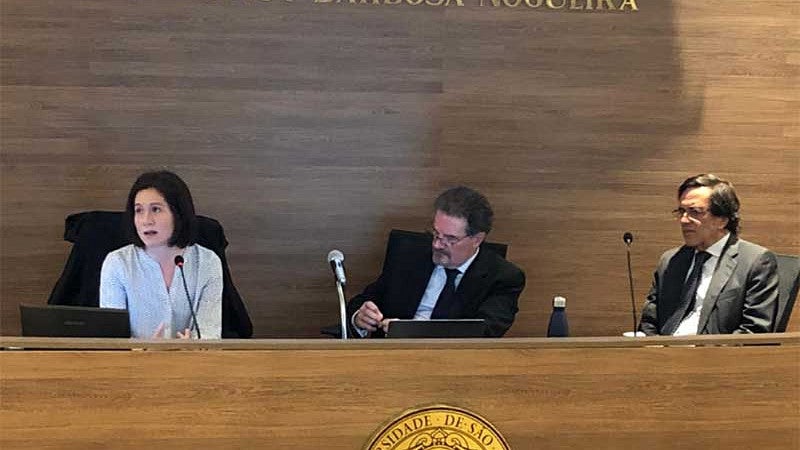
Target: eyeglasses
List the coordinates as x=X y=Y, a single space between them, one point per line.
x=693 y=213
x=445 y=239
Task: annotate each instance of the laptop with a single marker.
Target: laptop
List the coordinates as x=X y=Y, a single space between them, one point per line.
x=74 y=321
x=436 y=328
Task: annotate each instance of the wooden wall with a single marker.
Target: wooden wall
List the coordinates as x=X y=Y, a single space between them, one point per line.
x=304 y=127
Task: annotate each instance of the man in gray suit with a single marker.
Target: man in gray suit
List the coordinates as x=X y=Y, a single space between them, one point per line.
x=716 y=283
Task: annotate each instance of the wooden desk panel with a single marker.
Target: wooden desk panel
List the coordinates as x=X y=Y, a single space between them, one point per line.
x=540 y=394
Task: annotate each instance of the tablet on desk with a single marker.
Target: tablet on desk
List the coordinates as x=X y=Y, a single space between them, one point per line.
x=436 y=328
x=74 y=321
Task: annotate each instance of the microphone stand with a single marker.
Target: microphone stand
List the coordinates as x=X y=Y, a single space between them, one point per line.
x=630 y=283
x=342 y=309
x=179 y=263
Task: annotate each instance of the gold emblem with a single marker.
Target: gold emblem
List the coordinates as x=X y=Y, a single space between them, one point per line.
x=438 y=427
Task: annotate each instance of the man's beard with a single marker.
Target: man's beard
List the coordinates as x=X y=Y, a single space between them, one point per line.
x=440 y=257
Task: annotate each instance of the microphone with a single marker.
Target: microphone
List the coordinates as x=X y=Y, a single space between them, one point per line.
x=336 y=259
x=179 y=263
x=628 y=239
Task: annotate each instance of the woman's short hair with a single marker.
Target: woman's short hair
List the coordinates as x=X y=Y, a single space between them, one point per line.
x=179 y=200
x=723 y=201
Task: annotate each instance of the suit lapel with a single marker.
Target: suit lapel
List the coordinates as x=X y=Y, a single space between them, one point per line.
x=725 y=267
x=471 y=283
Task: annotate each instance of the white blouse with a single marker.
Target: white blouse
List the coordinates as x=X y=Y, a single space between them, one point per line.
x=130 y=279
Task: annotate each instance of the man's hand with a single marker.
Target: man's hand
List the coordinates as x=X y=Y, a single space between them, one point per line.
x=368 y=317
x=385 y=324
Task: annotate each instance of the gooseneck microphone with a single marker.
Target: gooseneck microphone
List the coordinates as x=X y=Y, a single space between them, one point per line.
x=628 y=239
x=336 y=260
x=179 y=263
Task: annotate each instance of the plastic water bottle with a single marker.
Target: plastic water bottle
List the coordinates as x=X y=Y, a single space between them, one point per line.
x=558 y=326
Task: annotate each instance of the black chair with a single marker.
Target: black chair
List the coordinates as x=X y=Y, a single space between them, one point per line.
x=788 y=283
x=95 y=233
x=409 y=239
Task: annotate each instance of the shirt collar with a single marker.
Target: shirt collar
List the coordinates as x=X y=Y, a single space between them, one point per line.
x=716 y=249
x=463 y=268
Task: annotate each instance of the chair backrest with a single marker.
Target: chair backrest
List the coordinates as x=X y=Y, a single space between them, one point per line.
x=788 y=283
x=95 y=233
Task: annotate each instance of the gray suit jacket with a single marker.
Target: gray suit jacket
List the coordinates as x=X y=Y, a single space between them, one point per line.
x=742 y=296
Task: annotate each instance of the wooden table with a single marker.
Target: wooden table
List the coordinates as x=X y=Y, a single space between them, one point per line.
x=580 y=393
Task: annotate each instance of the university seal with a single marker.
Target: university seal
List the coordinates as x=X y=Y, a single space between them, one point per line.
x=437 y=427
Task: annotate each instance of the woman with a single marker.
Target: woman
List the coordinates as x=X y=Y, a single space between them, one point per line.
x=144 y=277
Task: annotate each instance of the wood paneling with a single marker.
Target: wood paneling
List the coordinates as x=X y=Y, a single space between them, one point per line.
x=540 y=394
x=304 y=127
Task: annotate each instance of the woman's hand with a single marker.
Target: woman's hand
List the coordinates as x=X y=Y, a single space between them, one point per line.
x=159 y=333
x=187 y=334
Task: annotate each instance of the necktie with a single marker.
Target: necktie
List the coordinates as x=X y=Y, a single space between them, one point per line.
x=689 y=291
x=447 y=297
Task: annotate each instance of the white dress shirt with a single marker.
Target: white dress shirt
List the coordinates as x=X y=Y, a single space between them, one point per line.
x=691 y=322
x=436 y=285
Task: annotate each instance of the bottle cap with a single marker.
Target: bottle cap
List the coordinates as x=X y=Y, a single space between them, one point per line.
x=559 y=302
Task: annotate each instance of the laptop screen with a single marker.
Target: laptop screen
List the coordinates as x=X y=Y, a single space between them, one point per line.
x=74 y=321
x=436 y=328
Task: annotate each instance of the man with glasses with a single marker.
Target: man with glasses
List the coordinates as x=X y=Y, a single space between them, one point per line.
x=451 y=279
x=715 y=283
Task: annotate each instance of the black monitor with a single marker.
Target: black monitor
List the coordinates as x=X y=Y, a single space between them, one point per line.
x=74 y=321
x=436 y=328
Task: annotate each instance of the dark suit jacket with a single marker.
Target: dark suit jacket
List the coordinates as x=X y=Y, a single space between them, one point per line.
x=488 y=290
x=742 y=296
